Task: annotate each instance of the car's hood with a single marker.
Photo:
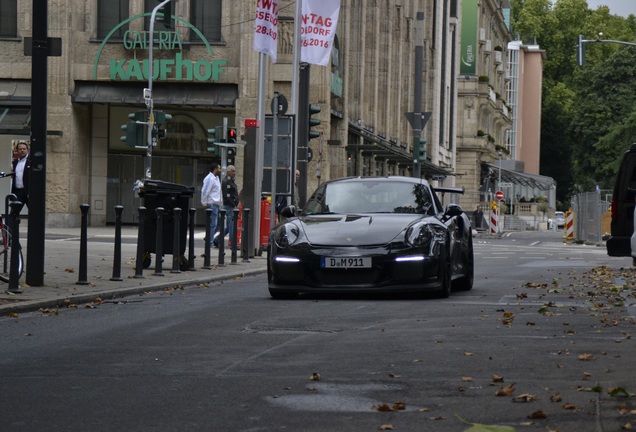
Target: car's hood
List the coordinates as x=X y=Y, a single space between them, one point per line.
x=356 y=229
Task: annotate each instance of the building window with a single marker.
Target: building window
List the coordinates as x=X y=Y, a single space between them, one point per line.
x=9 y=18
x=206 y=16
x=109 y=14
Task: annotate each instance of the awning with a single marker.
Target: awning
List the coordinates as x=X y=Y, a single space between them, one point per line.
x=523 y=179
x=179 y=94
x=15 y=120
x=15 y=92
x=381 y=148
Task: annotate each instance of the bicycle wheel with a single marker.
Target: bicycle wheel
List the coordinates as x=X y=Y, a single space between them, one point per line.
x=5 y=257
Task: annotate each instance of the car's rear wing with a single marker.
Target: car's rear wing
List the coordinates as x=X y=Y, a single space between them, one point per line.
x=443 y=190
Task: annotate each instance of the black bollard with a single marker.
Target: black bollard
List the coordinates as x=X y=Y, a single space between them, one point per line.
x=191 y=219
x=176 y=253
x=14 y=274
x=139 y=264
x=83 y=259
x=221 y=239
x=117 y=253
x=206 y=259
x=234 y=229
x=9 y=223
x=245 y=239
x=159 y=243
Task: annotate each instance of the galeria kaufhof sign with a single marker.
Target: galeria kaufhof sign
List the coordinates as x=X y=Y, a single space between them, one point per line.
x=177 y=68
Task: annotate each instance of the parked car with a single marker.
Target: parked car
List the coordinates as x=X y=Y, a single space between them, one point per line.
x=559 y=219
x=374 y=234
x=634 y=240
x=623 y=203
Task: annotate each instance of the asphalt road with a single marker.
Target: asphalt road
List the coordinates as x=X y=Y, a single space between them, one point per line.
x=546 y=326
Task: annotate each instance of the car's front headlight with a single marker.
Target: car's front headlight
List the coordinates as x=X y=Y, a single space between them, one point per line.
x=286 y=235
x=421 y=235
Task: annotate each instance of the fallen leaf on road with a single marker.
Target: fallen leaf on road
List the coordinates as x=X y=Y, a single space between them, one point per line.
x=586 y=357
x=506 y=391
x=524 y=398
x=497 y=379
x=386 y=427
x=537 y=415
x=314 y=377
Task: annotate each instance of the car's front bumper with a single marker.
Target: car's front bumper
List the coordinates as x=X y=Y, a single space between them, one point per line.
x=407 y=271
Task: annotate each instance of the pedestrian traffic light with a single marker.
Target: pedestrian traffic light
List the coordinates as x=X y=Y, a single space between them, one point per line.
x=231 y=135
x=134 y=129
x=313 y=109
x=212 y=139
x=166 y=11
x=231 y=155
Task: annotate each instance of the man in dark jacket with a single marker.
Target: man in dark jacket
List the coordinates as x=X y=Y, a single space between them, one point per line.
x=21 y=166
x=230 y=201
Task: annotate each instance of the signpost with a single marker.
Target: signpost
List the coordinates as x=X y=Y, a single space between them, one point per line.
x=499 y=195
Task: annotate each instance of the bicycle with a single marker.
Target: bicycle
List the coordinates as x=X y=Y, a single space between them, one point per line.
x=6 y=241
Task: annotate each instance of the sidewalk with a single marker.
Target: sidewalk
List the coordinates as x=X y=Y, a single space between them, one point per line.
x=61 y=268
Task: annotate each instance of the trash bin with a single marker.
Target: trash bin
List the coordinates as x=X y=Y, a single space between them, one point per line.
x=155 y=194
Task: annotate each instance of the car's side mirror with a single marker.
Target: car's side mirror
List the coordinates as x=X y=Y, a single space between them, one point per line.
x=288 y=212
x=453 y=210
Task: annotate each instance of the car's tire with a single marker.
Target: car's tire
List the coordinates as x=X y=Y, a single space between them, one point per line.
x=465 y=283
x=445 y=272
x=279 y=294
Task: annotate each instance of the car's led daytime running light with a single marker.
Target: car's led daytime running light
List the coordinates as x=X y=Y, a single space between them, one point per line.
x=410 y=258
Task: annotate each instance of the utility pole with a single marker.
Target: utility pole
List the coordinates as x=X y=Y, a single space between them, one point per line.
x=151 y=139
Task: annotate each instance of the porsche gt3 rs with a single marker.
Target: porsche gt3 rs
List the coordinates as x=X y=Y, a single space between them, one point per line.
x=372 y=234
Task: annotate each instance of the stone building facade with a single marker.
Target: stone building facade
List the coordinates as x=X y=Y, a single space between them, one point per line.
x=207 y=71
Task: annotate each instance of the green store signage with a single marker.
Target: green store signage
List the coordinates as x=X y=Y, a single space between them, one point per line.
x=177 y=68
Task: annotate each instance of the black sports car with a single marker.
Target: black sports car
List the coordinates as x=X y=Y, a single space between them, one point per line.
x=385 y=234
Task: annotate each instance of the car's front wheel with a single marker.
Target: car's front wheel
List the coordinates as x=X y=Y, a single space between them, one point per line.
x=465 y=283
x=444 y=273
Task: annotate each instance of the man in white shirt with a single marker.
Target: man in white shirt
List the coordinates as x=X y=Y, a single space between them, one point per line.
x=21 y=166
x=211 y=197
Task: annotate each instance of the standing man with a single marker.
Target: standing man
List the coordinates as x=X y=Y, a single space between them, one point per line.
x=211 y=197
x=21 y=167
x=230 y=202
x=478 y=217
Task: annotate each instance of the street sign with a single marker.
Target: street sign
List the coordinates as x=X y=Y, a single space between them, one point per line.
x=499 y=195
x=505 y=185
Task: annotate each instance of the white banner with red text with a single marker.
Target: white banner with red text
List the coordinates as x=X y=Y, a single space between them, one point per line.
x=318 y=29
x=266 y=28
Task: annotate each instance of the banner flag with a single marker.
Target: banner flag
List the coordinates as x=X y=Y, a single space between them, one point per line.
x=318 y=29
x=266 y=28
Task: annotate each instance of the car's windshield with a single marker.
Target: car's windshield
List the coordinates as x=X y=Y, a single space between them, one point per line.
x=380 y=196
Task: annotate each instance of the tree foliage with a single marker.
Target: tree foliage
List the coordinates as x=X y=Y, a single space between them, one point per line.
x=588 y=117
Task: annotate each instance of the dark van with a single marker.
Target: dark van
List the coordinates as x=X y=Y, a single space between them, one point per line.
x=623 y=203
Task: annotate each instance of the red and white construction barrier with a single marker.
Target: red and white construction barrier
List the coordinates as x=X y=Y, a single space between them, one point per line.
x=569 y=224
x=494 y=221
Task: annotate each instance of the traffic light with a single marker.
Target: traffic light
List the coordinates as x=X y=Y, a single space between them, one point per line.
x=580 y=52
x=419 y=150
x=313 y=109
x=231 y=135
x=231 y=155
x=134 y=131
x=160 y=118
x=167 y=15
x=212 y=139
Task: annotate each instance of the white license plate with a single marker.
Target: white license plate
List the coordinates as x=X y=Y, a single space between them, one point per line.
x=345 y=263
